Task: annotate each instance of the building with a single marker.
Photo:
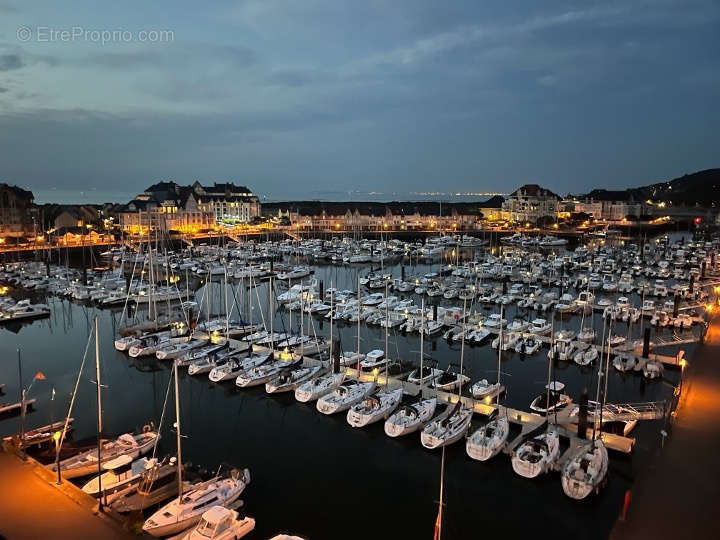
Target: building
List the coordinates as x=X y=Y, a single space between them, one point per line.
x=531 y=202
x=379 y=216
x=17 y=211
x=608 y=205
x=227 y=202
x=76 y=216
x=167 y=206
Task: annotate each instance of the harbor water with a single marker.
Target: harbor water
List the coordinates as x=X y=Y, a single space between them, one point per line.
x=313 y=475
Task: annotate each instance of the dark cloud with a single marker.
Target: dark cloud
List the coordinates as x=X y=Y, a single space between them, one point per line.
x=9 y=62
x=3 y=90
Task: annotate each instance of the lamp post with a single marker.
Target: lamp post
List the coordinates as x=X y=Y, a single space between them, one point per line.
x=56 y=438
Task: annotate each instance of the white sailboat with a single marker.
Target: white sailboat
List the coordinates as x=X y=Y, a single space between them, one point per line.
x=379 y=406
x=345 y=396
x=187 y=510
x=537 y=455
x=289 y=381
x=409 y=418
x=314 y=389
x=447 y=428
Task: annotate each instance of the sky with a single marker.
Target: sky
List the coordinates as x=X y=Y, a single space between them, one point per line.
x=342 y=99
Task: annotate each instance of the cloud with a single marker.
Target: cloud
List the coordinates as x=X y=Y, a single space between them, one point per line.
x=9 y=62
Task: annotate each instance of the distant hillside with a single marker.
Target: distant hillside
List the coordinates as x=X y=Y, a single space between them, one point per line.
x=701 y=188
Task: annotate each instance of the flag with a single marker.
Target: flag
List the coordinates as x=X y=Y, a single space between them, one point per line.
x=436 y=533
x=53 y=394
x=40 y=376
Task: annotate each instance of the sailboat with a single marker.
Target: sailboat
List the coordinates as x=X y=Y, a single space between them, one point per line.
x=345 y=396
x=376 y=407
x=188 y=507
x=234 y=367
x=315 y=389
x=290 y=380
x=186 y=510
x=537 y=455
x=411 y=417
x=447 y=428
x=487 y=441
x=587 y=468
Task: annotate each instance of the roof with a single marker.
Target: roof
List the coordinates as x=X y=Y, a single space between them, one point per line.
x=216 y=514
x=533 y=190
x=18 y=191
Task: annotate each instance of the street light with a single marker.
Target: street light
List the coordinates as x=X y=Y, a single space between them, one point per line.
x=56 y=438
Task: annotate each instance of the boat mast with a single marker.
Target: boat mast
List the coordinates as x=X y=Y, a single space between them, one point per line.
x=358 y=325
x=177 y=430
x=438 y=521
x=272 y=314
x=500 y=344
x=332 y=316
x=422 y=344
x=99 y=412
x=462 y=349
x=387 y=326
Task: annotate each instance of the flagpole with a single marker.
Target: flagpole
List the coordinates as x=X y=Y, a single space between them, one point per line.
x=22 y=405
x=99 y=413
x=438 y=521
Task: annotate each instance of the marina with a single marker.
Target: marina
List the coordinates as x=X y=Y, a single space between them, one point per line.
x=368 y=321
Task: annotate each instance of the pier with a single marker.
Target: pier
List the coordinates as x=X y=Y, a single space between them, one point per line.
x=34 y=506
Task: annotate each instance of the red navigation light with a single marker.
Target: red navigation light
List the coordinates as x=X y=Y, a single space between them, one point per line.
x=697 y=220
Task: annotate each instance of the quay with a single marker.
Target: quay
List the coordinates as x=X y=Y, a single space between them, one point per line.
x=34 y=506
x=683 y=476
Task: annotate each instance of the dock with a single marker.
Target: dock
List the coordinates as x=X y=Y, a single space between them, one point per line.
x=527 y=421
x=34 y=506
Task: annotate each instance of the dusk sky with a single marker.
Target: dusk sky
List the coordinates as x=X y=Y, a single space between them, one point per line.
x=317 y=98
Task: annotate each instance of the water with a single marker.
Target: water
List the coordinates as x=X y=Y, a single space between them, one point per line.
x=314 y=475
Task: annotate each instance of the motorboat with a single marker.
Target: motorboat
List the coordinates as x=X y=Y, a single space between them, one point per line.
x=586 y=357
x=483 y=388
x=375 y=359
x=411 y=417
x=378 y=406
x=220 y=523
x=586 y=334
x=120 y=473
x=429 y=374
x=159 y=482
x=528 y=345
x=551 y=400
x=540 y=327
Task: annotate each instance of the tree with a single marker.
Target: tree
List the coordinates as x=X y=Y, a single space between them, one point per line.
x=545 y=221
